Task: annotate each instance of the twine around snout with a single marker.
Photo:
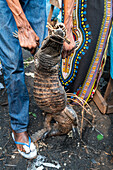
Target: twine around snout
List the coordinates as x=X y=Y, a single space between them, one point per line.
x=49 y=26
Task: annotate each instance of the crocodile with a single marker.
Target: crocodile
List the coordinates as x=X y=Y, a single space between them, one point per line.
x=49 y=94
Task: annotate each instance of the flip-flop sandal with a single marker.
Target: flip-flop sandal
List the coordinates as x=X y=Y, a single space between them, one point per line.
x=30 y=150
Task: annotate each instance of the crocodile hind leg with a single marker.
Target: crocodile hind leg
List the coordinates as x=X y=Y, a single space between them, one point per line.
x=43 y=133
x=47 y=125
x=65 y=121
x=63 y=124
x=59 y=129
x=55 y=129
x=70 y=112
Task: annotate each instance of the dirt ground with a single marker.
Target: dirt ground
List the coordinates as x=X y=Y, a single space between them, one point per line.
x=61 y=152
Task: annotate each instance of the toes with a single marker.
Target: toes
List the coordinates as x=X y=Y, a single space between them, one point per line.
x=32 y=146
x=20 y=147
x=27 y=149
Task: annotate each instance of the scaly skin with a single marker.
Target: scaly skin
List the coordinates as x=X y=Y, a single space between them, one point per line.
x=48 y=91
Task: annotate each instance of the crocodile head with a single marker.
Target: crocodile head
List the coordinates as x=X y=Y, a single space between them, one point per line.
x=49 y=55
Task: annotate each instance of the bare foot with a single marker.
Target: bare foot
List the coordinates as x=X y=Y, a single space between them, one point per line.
x=21 y=137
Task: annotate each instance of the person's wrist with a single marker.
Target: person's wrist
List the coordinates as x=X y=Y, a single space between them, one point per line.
x=68 y=27
x=21 y=20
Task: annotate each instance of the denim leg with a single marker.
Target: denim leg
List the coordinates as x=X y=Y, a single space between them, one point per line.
x=13 y=70
x=12 y=61
x=35 y=11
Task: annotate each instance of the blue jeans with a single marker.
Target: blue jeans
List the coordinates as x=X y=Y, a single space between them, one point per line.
x=12 y=60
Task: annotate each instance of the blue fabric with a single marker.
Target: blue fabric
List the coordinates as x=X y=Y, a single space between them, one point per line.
x=56 y=11
x=20 y=143
x=12 y=60
x=110 y=53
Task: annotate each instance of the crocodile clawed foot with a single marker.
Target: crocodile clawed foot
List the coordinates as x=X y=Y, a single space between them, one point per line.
x=55 y=130
x=76 y=132
x=45 y=135
x=38 y=135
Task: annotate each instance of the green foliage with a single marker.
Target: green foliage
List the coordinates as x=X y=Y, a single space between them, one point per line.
x=33 y=114
x=100 y=137
x=26 y=64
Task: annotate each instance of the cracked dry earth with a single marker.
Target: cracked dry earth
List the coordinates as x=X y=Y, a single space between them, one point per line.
x=61 y=152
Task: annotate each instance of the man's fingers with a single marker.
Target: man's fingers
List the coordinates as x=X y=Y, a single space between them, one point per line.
x=37 y=38
x=64 y=54
x=32 y=51
x=37 y=42
x=73 y=49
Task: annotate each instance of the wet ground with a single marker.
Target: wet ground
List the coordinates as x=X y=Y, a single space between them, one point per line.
x=62 y=152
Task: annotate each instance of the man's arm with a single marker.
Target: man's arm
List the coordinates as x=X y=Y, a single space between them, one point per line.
x=68 y=21
x=27 y=37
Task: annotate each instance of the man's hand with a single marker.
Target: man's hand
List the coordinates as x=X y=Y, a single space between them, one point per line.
x=26 y=35
x=68 y=21
x=68 y=48
x=28 y=38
